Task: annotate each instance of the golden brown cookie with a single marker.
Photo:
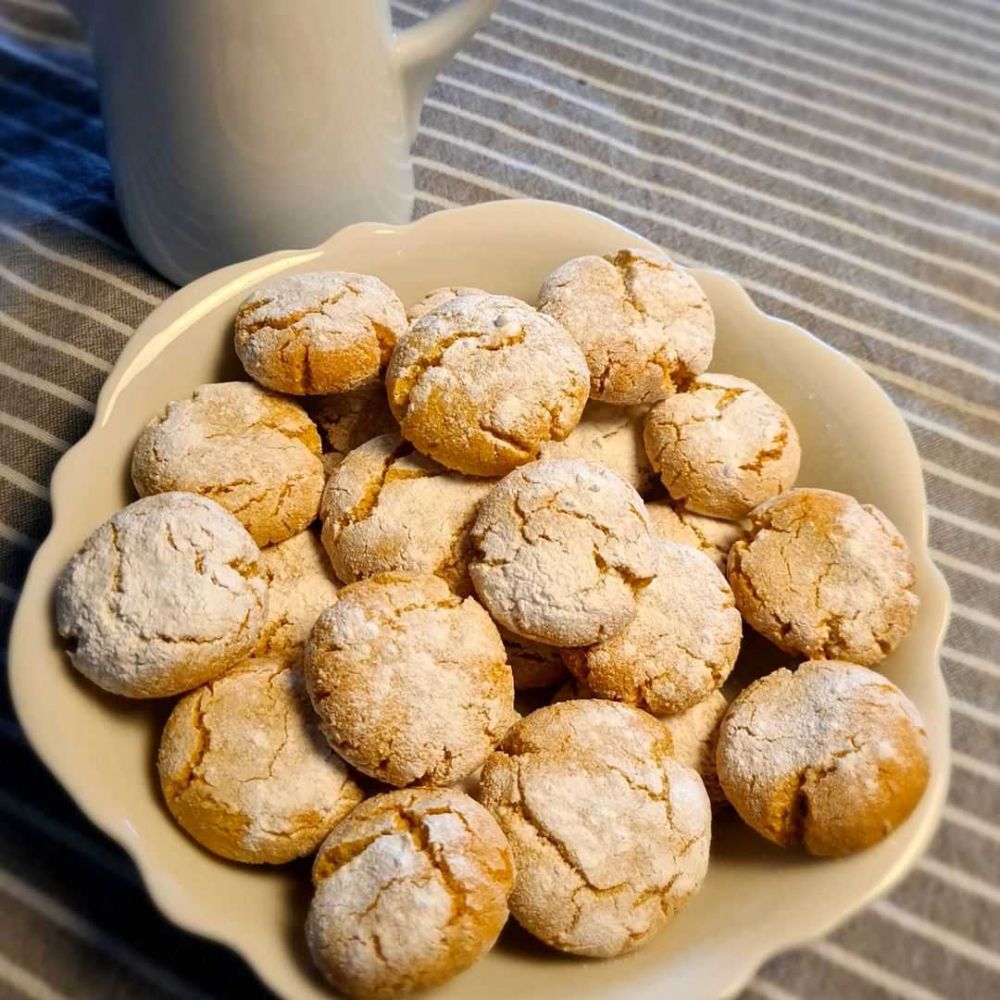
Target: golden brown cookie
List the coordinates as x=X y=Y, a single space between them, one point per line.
x=645 y=326
x=310 y=334
x=251 y=451
x=611 y=435
x=824 y=576
x=711 y=535
x=387 y=507
x=831 y=757
x=245 y=770
x=411 y=889
x=561 y=551
x=300 y=584
x=680 y=646
x=438 y=296
x=482 y=382
x=410 y=682
x=610 y=834
x=348 y=419
x=722 y=447
x=533 y=664
x=165 y=595
x=695 y=733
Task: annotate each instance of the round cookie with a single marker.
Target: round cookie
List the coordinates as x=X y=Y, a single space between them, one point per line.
x=438 y=296
x=610 y=834
x=611 y=435
x=245 y=770
x=832 y=757
x=410 y=682
x=310 y=334
x=711 y=535
x=348 y=419
x=823 y=576
x=411 y=889
x=560 y=552
x=165 y=595
x=645 y=326
x=483 y=381
x=680 y=646
x=533 y=665
x=300 y=584
x=722 y=447
x=695 y=734
x=387 y=507
x=251 y=451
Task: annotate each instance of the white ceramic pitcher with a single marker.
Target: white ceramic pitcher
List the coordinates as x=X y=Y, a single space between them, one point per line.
x=236 y=127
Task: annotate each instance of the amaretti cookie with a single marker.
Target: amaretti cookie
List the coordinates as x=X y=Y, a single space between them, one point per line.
x=832 y=757
x=611 y=435
x=253 y=452
x=695 y=733
x=245 y=770
x=165 y=595
x=410 y=682
x=680 y=646
x=327 y=331
x=483 y=381
x=723 y=446
x=438 y=296
x=561 y=551
x=348 y=419
x=645 y=325
x=533 y=664
x=824 y=576
x=300 y=584
x=411 y=889
x=386 y=507
x=711 y=535
x=610 y=834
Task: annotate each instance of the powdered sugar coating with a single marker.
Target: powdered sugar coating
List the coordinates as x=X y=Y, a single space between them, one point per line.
x=824 y=576
x=611 y=435
x=387 y=507
x=710 y=535
x=610 y=834
x=245 y=770
x=255 y=453
x=438 y=296
x=831 y=756
x=327 y=331
x=300 y=584
x=165 y=595
x=723 y=446
x=348 y=419
x=645 y=326
x=561 y=550
x=480 y=383
x=411 y=889
x=410 y=682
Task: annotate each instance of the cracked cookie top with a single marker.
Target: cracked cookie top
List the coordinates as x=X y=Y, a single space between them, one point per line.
x=610 y=834
x=410 y=682
x=722 y=447
x=245 y=770
x=561 y=549
x=253 y=452
x=710 y=535
x=611 y=435
x=824 y=576
x=480 y=383
x=438 y=296
x=348 y=419
x=309 y=334
x=680 y=646
x=300 y=584
x=411 y=889
x=645 y=325
x=387 y=507
x=165 y=595
x=832 y=757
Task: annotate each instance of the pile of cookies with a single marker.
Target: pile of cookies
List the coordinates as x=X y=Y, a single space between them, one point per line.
x=557 y=500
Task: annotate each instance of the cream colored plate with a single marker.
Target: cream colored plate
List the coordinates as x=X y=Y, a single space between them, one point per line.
x=757 y=900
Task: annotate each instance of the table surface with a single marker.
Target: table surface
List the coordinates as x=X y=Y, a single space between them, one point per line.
x=841 y=160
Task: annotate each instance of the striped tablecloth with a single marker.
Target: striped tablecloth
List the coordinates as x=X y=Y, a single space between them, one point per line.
x=841 y=159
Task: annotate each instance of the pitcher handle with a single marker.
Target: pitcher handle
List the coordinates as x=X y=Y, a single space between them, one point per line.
x=423 y=50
